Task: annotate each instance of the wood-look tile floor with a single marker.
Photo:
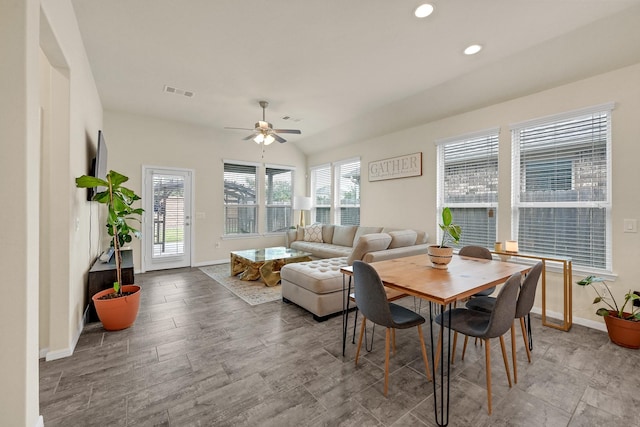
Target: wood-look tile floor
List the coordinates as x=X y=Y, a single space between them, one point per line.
x=199 y=356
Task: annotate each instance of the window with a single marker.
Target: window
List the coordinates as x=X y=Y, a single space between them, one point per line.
x=348 y=192
x=468 y=185
x=336 y=197
x=278 y=198
x=240 y=198
x=321 y=194
x=561 y=186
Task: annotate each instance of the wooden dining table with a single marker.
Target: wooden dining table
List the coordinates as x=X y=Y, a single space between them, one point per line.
x=415 y=276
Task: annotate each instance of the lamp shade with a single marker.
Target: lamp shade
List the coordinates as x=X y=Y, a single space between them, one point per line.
x=511 y=246
x=302 y=203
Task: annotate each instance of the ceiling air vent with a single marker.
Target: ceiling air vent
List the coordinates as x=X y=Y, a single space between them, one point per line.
x=171 y=89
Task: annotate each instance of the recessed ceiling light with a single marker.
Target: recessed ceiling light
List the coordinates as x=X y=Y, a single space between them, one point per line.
x=473 y=49
x=424 y=10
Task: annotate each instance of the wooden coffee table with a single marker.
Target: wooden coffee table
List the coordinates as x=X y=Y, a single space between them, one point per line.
x=265 y=264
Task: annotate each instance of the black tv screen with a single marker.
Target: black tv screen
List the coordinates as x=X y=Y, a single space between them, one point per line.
x=99 y=165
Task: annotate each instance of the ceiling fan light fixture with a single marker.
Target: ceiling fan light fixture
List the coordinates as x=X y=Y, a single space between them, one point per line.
x=423 y=10
x=259 y=138
x=268 y=139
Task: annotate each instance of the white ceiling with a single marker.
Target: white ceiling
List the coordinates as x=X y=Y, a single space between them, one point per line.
x=337 y=65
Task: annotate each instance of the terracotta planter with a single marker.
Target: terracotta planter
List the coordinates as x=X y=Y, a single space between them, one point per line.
x=440 y=257
x=118 y=313
x=625 y=333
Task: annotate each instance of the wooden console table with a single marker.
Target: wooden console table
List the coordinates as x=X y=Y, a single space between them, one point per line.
x=567 y=276
x=103 y=274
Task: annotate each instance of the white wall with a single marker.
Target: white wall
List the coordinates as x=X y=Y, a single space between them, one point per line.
x=76 y=116
x=19 y=173
x=26 y=27
x=410 y=202
x=136 y=140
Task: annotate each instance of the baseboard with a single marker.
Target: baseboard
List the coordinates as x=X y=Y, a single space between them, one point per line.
x=593 y=324
x=40 y=422
x=66 y=352
x=215 y=262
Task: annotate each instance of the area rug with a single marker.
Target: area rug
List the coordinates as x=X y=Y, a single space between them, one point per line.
x=251 y=292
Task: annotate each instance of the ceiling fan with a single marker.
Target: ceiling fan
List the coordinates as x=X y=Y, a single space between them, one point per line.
x=264 y=133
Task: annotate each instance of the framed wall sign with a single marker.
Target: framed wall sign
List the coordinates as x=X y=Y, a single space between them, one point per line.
x=396 y=167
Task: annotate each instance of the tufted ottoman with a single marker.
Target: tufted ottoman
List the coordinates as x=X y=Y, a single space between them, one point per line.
x=314 y=285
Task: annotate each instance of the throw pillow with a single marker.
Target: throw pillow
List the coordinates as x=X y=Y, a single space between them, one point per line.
x=313 y=233
x=369 y=243
x=402 y=238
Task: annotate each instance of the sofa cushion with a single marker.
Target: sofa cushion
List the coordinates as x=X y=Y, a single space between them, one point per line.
x=423 y=237
x=402 y=238
x=369 y=243
x=343 y=235
x=361 y=231
x=327 y=233
x=321 y=250
x=313 y=233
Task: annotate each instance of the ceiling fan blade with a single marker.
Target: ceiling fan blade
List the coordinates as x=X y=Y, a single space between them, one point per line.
x=296 y=131
x=239 y=128
x=278 y=138
x=253 y=135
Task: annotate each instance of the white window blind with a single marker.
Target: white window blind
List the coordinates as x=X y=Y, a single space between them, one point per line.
x=240 y=199
x=278 y=198
x=561 y=187
x=468 y=185
x=348 y=192
x=321 y=194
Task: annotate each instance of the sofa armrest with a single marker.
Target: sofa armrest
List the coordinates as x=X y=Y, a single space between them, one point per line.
x=290 y=236
x=395 y=253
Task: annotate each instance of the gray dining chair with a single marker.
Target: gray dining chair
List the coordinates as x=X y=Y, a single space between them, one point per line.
x=372 y=302
x=485 y=325
x=478 y=252
x=473 y=252
x=524 y=305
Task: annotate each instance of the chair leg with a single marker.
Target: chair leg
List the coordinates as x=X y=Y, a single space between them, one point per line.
x=506 y=360
x=524 y=337
x=455 y=343
x=386 y=361
x=364 y=322
x=513 y=352
x=424 y=353
x=355 y=322
x=464 y=347
x=393 y=337
x=437 y=361
x=487 y=358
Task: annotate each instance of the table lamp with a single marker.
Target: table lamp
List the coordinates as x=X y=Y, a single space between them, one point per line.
x=302 y=203
x=511 y=246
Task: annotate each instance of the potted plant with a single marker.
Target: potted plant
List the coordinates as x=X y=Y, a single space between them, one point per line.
x=623 y=326
x=441 y=254
x=117 y=308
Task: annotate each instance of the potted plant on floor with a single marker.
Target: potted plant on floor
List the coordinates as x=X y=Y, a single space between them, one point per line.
x=117 y=308
x=440 y=255
x=623 y=326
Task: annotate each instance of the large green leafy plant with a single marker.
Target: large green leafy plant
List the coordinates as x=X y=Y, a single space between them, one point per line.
x=612 y=307
x=119 y=201
x=450 y=231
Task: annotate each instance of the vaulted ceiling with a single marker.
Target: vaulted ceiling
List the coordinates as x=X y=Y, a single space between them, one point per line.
x=341 y=70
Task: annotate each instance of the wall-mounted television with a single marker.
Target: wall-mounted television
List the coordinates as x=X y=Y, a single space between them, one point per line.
x=99 y=165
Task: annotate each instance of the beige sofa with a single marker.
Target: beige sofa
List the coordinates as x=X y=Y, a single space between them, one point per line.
x=317 y=285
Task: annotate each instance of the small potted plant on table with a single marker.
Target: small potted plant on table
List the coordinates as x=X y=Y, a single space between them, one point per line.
x=117 y=308
x=623 y=326
x=440 y=255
